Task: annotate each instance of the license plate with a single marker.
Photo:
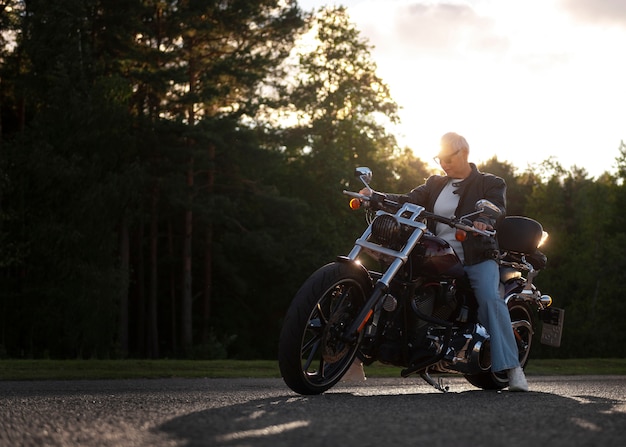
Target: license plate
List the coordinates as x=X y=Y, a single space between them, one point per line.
x=552 y=326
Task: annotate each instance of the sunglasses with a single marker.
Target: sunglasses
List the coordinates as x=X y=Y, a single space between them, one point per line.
x=445 y=158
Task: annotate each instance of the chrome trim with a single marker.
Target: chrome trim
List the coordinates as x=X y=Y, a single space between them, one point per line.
x=531 y=296
x=546 y=300
x=400 y=256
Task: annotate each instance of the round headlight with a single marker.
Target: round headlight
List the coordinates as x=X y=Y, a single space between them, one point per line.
x=385 y=230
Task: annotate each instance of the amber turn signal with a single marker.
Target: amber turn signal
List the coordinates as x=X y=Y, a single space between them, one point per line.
x=460 y=235
x=355 y=204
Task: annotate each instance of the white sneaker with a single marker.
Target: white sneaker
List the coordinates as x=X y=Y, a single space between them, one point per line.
x=517 y=380
x=355 y=373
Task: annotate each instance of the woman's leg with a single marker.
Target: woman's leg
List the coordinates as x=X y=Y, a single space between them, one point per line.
x=493 y=314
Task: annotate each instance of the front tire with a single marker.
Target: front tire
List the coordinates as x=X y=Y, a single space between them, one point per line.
x=312 y=355
x=522 y=322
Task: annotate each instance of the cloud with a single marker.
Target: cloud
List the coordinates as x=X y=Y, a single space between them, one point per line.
x=596 y=11
x=521 y=79
x=450 y=37
x=441 y=29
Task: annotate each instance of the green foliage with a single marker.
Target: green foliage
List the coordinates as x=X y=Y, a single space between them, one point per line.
x=146 y=138
x=585 y=259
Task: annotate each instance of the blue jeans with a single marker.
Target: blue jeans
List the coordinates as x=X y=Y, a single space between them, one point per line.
x=493 y=314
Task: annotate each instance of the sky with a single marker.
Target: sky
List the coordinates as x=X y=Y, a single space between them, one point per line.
x=521 y=80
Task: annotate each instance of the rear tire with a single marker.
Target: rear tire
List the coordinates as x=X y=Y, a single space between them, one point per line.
x=311 y=353
x=522 y=322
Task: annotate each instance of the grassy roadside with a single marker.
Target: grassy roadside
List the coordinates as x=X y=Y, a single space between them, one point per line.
x=152 y=369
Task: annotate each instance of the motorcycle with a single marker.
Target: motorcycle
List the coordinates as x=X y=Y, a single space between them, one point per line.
x=418 y=312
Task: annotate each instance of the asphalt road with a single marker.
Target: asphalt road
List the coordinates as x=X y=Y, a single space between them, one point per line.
x=559 y=411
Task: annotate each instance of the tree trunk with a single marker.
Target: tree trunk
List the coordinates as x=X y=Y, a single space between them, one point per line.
x=124 y=283
x=187 y=334
x=173 y=306
x=208 y=254
x=141 y=296
x=187 y=298
x=208 y=284
x=153 y=332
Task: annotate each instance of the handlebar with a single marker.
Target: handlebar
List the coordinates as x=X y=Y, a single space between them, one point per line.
x=380 y=201
x=356 y=195
x=459 y=224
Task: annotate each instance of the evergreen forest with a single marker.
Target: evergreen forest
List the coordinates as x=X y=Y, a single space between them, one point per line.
x=172 y=170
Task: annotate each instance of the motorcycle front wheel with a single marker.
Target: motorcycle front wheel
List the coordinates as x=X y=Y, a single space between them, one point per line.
x=522 y=322
x=312 y=354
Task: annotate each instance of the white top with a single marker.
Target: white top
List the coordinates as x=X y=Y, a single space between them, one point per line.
x=446 y=205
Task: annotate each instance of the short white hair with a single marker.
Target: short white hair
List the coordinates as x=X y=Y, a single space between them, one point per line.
x=454 y=141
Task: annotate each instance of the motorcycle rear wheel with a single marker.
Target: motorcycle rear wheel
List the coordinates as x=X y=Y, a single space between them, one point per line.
x=311 y=353
x=522 y=320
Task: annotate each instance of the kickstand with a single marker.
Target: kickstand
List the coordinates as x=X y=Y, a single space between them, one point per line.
x=438 y=385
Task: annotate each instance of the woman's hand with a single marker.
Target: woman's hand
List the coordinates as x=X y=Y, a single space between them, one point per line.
x=482 y=226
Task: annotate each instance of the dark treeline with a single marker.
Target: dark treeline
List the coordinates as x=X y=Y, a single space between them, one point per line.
x=171 y=171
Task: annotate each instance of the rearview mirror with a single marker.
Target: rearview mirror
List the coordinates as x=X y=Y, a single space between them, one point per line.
x=363 y=173
x=488 y=209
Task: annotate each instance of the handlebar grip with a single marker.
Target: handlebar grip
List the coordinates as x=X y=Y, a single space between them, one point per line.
x=356 y=195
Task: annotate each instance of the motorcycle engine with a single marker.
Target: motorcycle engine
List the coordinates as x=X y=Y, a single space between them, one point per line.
x=436 y=300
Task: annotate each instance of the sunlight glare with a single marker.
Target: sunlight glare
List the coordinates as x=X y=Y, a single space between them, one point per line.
x=272 y=430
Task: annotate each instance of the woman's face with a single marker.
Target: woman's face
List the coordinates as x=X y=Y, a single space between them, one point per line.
x=454 y=162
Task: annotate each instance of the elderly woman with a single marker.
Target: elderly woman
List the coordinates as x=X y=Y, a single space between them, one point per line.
x=455 y=194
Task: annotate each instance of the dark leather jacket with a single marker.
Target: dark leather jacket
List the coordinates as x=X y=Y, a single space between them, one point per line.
x=476 y=186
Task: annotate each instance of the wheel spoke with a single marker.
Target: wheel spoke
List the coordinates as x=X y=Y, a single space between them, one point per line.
x=314 y=348
x=322 y=368
x=310 y=344
x=323 y=319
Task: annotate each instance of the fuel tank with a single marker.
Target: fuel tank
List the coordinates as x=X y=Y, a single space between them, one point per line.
x=435 y=257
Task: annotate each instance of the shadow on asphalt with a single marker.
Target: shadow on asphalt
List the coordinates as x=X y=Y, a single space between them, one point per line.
x=469 y=418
